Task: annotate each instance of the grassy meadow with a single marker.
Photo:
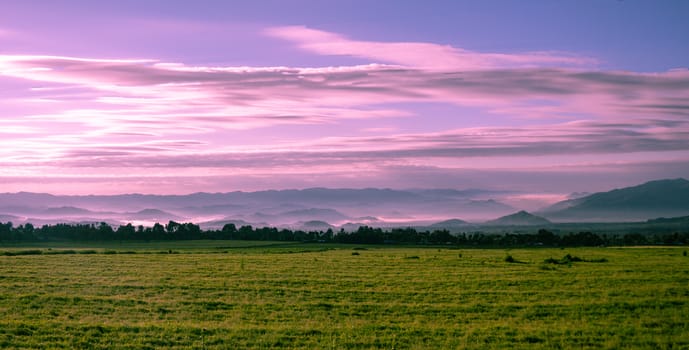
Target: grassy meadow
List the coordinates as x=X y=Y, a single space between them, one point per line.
x=220 y=295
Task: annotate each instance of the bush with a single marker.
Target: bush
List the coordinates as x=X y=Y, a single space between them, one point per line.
x=24 y=252
x=56 y=252
x=568 y=259
x=551 y=261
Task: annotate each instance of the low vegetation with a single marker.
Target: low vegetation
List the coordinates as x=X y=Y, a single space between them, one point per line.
x=174 y=231
x=568 y=259
x=234 y=294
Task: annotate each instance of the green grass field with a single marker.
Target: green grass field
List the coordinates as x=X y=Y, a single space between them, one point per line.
x=220 y=295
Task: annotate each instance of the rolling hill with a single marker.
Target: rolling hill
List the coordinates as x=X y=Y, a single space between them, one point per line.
x=521 y=218
x=273 y=207
x=661 y=198
x=451 y=223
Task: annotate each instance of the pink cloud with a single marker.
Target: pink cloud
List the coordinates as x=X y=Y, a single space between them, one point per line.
x=268 y=95
x=416 y=54
x=567 y=144
x=601 y=177
x=134 y=117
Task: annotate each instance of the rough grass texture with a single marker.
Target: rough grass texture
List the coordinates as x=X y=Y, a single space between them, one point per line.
x=219 y=296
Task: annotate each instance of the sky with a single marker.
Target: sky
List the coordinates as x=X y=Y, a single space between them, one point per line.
x=543 y=98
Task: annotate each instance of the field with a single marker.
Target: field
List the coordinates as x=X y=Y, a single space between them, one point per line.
x=219 y=295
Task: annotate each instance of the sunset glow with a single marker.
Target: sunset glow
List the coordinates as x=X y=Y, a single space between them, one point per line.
x=213 y=96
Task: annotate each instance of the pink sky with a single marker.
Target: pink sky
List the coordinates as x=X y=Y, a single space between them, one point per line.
x=341 y=111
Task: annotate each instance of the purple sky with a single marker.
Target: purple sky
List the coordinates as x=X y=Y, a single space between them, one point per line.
x=542 y=97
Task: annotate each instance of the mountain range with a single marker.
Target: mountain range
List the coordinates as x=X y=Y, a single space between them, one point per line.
x=282 y=208
x=349 y=208
x=521 y=218
x=661 y=198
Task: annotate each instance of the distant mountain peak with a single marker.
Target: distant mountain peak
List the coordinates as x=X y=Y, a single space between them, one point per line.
x=66 y=210
x=450 y=223
x=657 y=198
x=521 y=217
x=315 y=225
x=152 y=214
x=333 y=205
x=150 y=211
x=679 y=180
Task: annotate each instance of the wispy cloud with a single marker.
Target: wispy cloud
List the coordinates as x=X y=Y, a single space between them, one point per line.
x=472 y=148
x=245 y=97
x=136 y=117
x=129 y=96
x=536 y=180
x=418 y=54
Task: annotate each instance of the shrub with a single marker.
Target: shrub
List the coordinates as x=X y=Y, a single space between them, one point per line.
x=551 y=261
x=59 y=252
x=24 y=252
x=568 y=259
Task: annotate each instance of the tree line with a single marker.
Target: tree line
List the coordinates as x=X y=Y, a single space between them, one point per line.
x=363 y=235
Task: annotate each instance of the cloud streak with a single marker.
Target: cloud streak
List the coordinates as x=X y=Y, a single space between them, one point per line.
x=568 y=143
x=247 y=97
x=416 y=54
x=127 y=117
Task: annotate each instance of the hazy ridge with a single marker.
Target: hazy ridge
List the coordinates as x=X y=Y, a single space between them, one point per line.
x=323 y=207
